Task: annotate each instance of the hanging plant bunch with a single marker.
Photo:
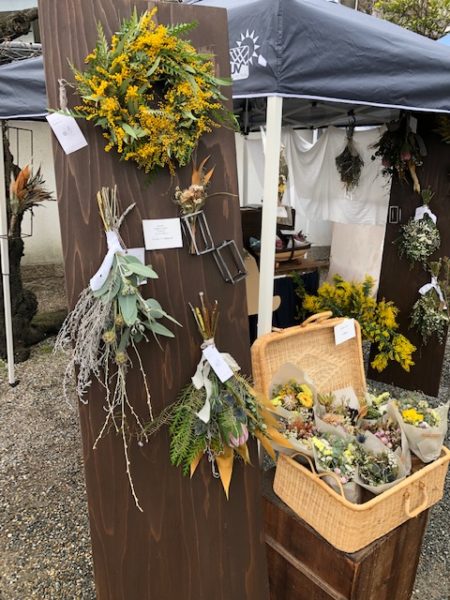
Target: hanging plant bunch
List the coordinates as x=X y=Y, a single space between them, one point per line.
x=104 y=329
x=378 y=319
x=443 y=127
x=193 y=198
x=26 y=191
x=420 y=236
x=430 y=314
x=349 y=163
x=151 y=92
x=401 y=150
x=214 y=418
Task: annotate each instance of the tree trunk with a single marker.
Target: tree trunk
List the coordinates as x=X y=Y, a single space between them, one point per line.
x=16 y=24
x=23 y=302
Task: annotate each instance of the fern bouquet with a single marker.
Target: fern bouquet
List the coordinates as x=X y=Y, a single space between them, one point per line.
x=236 y=412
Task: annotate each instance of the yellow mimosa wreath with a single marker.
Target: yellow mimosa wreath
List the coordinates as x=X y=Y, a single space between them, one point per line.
x=151 y=92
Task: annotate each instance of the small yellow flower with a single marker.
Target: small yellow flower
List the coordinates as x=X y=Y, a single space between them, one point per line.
x=411 y=416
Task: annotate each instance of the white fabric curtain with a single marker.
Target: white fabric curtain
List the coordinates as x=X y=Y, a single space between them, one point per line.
x=315 y=186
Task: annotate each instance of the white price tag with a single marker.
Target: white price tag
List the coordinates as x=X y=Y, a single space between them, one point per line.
x=344 y=331
x=67 y=132
x=220 y=367
x=161 y=234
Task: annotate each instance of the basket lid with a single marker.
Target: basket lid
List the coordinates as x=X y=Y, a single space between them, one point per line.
x=311 y=347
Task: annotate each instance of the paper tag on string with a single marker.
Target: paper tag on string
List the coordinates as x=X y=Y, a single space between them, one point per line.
x=344 y=331
x=218 y=364
x=67 y=132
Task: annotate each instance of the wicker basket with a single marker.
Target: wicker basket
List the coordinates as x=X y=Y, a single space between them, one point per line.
x=349 y=527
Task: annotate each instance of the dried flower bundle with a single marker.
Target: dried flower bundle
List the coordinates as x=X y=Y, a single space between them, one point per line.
x=376 y=469
x=430 y=313
x=416 y=410
x=349 y=164
x=235 y=412
x=293 y=396
x=419 y=237
x=193 y=198
x=401 y=151
x=336 y=454
x=105 y=328
x=26 y=192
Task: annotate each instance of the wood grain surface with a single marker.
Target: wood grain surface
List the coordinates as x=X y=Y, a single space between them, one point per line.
x=399 y=282
x=190 y=542
x=304 y=566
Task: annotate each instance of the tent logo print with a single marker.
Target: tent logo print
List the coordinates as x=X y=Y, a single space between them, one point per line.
x=243 y=54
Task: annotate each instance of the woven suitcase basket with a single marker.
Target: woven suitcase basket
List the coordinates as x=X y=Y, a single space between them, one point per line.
x=347 y=526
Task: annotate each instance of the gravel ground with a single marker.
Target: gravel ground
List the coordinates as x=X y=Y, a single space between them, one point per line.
x=44 y=532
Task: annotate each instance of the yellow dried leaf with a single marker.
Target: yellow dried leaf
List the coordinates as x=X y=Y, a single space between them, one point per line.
x=266 y=444
x=225 y=465
x=194 y=463
x=243 y=452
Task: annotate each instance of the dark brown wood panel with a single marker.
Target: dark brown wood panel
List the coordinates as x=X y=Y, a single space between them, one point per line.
x=304 y=566
x=400 y=283
x=190 y=542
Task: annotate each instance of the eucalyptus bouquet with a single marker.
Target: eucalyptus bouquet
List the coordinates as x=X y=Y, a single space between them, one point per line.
x=108 y=322
x=420 y=236
x=430 y=313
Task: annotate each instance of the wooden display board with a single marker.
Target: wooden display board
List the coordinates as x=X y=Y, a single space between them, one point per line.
x=399 y=282
x=190 y=542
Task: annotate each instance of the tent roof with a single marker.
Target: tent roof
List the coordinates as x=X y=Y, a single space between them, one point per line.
x=22 y=90
x=323 y=57
x=321 y=51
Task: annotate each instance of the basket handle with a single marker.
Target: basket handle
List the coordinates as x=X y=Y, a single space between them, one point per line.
x=422 y=506
x=320 y=475
x=317 y=318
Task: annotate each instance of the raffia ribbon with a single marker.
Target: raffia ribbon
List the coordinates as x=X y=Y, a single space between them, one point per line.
x=114 y=245
x=201 y=378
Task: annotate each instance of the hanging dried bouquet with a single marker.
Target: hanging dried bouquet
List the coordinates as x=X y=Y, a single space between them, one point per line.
x=151 y=92
x=349 y=163
x=104 y=329
x=401 y=151
x=218 y=411
x=430 y=314
x=420 y=236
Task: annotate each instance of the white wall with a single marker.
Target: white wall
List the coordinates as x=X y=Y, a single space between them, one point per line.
x=45 y=244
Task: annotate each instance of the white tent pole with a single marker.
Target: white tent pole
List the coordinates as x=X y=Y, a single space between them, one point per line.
x=5 y=266
x=269 y=213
